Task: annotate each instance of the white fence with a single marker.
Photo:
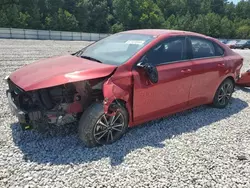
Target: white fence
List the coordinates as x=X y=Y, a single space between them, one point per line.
x=13 y=33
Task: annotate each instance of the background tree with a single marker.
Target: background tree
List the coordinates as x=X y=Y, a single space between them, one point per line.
x=217 y=18
x=98 y=12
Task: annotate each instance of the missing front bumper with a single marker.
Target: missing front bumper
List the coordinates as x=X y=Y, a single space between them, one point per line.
x=22 y=116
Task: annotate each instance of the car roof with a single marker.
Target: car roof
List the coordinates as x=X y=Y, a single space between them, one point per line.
x=158 y=32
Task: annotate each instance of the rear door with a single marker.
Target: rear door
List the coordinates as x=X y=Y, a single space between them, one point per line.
x=208 y=69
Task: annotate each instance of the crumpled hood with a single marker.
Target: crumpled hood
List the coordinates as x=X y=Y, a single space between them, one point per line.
x=57 y=71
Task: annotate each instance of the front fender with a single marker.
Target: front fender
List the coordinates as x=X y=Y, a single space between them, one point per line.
x=113 y=92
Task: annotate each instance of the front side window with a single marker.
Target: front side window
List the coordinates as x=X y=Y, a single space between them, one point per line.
x=171 y=50
x=115 y=49
x=202 y=48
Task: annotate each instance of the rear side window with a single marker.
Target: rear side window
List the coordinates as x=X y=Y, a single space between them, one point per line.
x=219 y=50
x=202 y=48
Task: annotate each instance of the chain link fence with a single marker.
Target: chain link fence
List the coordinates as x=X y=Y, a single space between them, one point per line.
x=14 y=33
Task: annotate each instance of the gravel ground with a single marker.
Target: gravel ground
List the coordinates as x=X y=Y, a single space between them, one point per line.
x=202 y=147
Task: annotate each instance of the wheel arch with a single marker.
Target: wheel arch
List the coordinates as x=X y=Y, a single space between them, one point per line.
x=215 y=102
x=231 y=78
x=121 y=102
x=115 y=93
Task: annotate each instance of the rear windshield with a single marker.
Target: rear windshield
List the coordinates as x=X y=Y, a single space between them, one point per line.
x=118 y=48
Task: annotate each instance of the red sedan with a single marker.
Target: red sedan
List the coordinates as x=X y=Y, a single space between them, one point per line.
x=124 y=80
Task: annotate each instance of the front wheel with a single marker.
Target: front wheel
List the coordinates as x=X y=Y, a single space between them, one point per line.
x=223 y=94
x=97 y=128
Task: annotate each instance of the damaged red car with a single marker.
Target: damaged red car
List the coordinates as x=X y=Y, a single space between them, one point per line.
x=124 y=80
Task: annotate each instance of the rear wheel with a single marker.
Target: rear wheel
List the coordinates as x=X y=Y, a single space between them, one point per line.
x=97 y=128
x=223 y=94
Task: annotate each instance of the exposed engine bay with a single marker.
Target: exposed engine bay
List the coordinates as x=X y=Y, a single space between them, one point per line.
x=57 y=105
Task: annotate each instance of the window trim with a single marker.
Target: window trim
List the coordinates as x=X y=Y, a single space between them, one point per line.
x=164 y=40
x=213 y=43
x=173 y=62
x=212 y=57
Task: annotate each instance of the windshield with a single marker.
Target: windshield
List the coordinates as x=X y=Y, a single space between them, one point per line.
x=242 y=42
x=115 y=49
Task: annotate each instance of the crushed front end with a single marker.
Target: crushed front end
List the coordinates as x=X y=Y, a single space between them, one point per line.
x=58 y=105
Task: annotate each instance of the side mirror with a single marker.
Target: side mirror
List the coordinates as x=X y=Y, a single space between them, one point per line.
x=142 y=62
x=149 y=69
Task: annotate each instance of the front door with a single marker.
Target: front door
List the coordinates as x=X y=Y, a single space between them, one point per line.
x=171 y=93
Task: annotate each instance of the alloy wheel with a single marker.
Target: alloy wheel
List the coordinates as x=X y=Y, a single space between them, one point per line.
x=225 y=93
x=109 y=128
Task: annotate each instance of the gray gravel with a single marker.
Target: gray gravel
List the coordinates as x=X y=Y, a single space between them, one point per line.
x=202 y=147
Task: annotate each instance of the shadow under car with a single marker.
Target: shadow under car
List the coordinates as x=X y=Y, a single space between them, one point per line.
x=61 y=145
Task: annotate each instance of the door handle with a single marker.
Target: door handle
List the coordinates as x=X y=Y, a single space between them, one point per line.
x=186 y=70
x=221 y=64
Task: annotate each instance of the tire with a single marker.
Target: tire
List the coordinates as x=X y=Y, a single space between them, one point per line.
x=95 y=124
x=223 y=94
